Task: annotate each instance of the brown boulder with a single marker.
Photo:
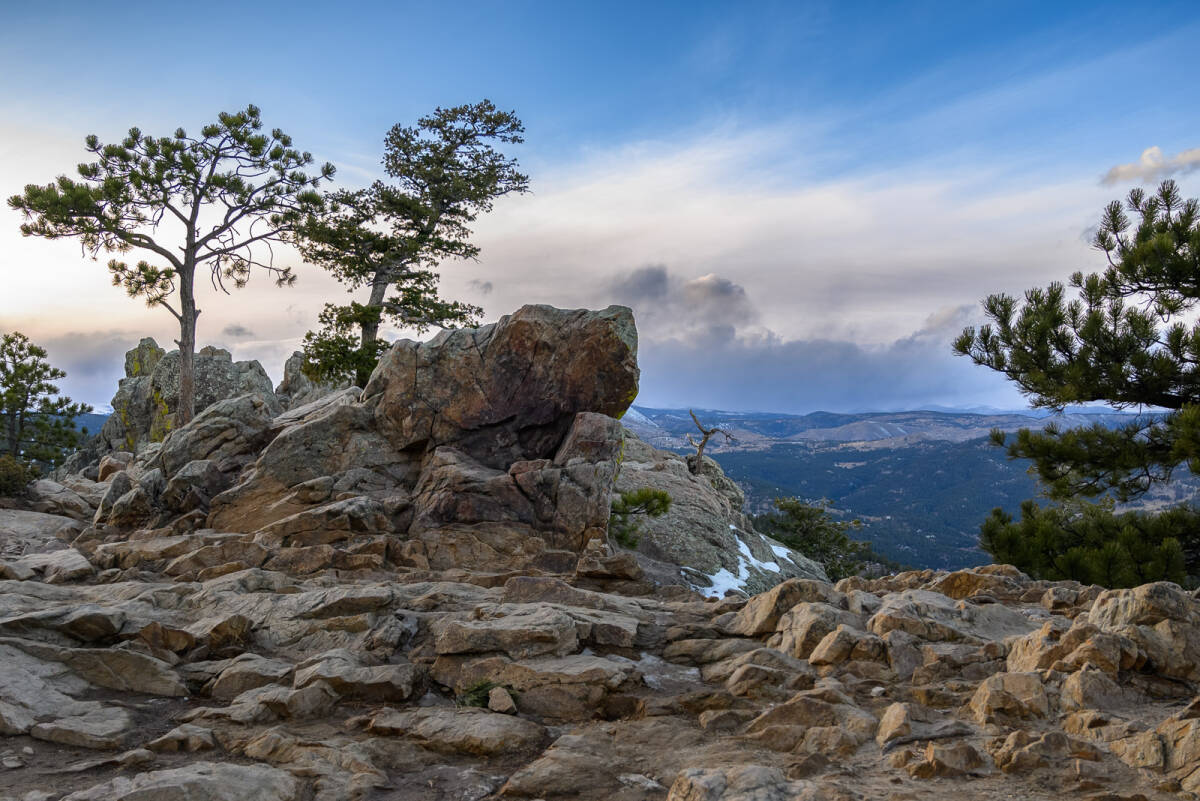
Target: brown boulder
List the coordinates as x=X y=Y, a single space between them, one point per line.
x=1006 y=696
x=508 y=391
x=761 y=613
x=1162 y=619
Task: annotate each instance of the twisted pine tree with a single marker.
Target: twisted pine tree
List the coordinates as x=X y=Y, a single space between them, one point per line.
x=392 y=237
x=1124 y=339
x=211 y=203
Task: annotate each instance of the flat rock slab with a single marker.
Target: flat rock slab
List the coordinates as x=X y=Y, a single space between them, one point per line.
x=23 y=532
x=55 y=567
x=248 y=671
x=104 y=728
x=349 y=678
x=519 y=630
x=461 y=730
x=201 y=781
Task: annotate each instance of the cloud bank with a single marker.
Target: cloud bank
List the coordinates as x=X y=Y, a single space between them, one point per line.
x=701 y=343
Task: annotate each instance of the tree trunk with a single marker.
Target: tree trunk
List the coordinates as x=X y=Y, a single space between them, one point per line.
x=185 y=409
x=370 y=331
x=14 y=433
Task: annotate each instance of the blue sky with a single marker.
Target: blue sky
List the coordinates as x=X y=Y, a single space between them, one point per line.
x=814 y=195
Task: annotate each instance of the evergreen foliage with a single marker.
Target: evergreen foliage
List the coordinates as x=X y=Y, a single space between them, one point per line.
x=14 y=476
x=810 y=529
x=37 y=426
x=215 y=202
x=392 y=237
x=1088 y=543
x=645 y=501
x=1123 y=340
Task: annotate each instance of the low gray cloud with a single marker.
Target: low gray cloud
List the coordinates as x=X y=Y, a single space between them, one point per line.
x=708 y=308
x=1154 y=166
x=767 y=373
x=237 y=331
x=701 y=344
x=482 y=287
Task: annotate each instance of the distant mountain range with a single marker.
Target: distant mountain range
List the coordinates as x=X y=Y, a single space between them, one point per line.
x=921 y=481
x=668 y=428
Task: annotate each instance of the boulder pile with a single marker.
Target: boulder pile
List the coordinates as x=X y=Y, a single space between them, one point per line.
x=407 y=592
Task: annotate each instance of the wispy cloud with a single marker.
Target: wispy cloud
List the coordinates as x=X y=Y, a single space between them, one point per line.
x=862 y=257
x=1154 y=166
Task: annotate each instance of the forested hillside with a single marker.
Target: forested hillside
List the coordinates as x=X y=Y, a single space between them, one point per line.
x=922 y=482
x=920 y=504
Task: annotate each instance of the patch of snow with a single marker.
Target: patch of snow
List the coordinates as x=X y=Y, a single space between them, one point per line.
x=771 y=567
x=633 y=415
x=723 y=580
x=781 y=551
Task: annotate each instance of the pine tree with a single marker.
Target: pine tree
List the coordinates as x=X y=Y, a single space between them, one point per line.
x=622 y=523
x=1126 y=339
x=392 y=237
x=214 y=202
x=37 y=426
x=811 y=529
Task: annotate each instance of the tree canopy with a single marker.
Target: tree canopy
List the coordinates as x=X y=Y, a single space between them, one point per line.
x=391 y=237
x=37 y=425
x=214 y=202
x=1124 y=339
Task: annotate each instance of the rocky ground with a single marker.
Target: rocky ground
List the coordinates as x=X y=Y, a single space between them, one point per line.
x=406 y=593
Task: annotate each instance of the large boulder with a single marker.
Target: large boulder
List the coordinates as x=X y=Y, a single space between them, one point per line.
x=1162 y=619
x=330 y=450
x=230 y=427
x=509 y=391
x=146 y=400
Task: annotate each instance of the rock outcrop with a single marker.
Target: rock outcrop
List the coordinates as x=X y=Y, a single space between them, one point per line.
x=296 y=389
x=144 y=406
x=407 y=592
x=704 y=530
x=489 y=448
x=370 y=683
